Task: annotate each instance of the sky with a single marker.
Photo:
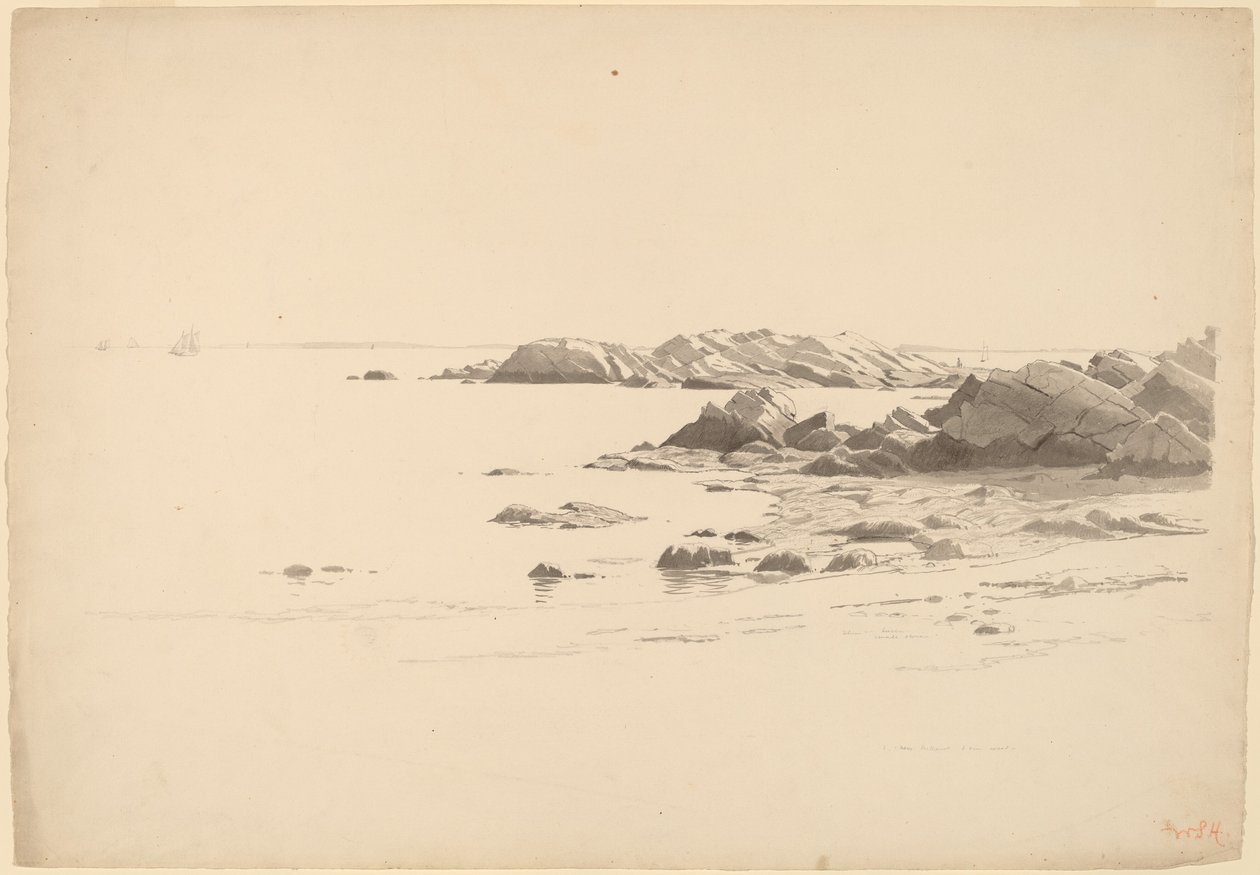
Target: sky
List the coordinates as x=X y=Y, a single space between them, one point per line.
x=1025 y=178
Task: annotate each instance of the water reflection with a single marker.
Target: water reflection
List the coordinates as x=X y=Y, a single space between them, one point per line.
x=544 y=589
x=700 y=582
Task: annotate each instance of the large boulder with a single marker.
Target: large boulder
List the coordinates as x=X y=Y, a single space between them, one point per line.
x=379 y=375
x=1174 y=390
x=1163 y=447
x=687 y=557
x=750 y=415
x=785 y=561
x=851 y=559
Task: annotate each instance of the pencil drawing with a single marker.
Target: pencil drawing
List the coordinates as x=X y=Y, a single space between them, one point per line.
x=799 y=437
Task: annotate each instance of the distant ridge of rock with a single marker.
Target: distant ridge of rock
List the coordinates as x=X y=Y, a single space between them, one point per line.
x=725 y=360
x=482 y=370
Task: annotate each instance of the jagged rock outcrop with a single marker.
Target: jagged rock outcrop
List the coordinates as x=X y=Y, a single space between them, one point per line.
x=546 y=570
x=1174 y=390
x=1163 y=447
x=1042 y=414
x=824 y=420
x=750 y=415
x=900 y=420
x=482 y=370
x=1196 y=356
x=723 y=360
x=1120 y=367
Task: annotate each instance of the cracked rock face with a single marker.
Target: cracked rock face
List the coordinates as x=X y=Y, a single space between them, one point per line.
x=1044 y=400
x=1163 y=447
x=760 y=415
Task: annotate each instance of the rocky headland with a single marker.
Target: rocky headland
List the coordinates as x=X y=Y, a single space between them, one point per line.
x=1012 y=465
x=717 y=360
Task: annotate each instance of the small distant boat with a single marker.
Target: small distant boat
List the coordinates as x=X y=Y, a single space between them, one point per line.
x=132 y=343
x=188 y=344
x=102 y=346
x=984 y=352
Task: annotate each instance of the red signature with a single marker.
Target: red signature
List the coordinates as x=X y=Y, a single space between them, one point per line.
x=1198 y=832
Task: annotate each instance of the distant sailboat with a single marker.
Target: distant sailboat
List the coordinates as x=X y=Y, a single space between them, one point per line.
x=132 y=344
x=984 y=352
x=188 y=344
x=103 y=346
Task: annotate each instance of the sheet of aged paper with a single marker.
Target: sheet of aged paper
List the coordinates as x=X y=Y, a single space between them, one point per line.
x=658 y=437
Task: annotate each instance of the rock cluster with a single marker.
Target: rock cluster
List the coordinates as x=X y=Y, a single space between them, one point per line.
x=1127 y=413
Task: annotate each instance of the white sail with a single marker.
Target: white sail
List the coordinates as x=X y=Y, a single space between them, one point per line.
x=188 y=343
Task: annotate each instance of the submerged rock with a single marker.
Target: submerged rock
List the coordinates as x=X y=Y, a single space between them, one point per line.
x=502 y=472
x=743 y=536
x=379 y=375
x=703 y=533
x=574 y=515
x=851 y=559
x=785 y=561
x=881 y=527
x=1105 y=519
x=298 y=571
x=993 y=629
x=692 y=556
x=1081 y=530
